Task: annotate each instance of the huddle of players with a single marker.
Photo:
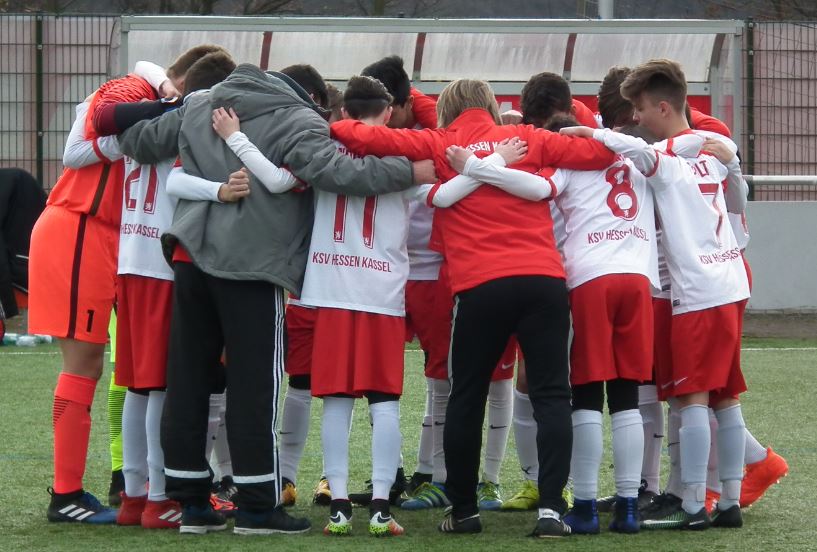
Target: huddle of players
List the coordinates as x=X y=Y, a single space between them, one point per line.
x=612 y=263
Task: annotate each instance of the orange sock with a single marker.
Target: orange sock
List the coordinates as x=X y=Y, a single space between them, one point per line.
x=72 y=429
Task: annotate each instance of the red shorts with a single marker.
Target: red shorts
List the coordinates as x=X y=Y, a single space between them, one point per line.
x=612 y=329
x=144 y=306
x=428 y=316
x=662 y=344
x=72 y=275
x=300 y=323
x=706 y=354
x=354 y=352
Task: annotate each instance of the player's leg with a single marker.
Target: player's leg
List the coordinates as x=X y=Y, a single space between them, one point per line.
x=116 y=402
x=335 y=424
x=384 y=409
x=500 y=414
x=628 y=451
x=588 y=402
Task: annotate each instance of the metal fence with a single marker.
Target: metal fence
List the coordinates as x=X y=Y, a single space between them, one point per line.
x=48 y=64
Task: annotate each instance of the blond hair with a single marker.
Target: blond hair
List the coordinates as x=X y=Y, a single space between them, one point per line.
x=662 y=79
x=463 y=94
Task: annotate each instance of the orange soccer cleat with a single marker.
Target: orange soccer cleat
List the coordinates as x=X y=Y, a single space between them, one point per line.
x=760 y=476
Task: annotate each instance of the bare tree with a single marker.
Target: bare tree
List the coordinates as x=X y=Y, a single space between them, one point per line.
x=258 y=7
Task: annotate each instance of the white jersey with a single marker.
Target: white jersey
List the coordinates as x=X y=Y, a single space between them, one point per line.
x=358 y=258
x=558 y=228
x=424 y=264
x=609 y=221
x=147 y=212
x=740 y=228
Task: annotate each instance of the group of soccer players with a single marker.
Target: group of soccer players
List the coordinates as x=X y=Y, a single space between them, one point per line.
x=483 y=236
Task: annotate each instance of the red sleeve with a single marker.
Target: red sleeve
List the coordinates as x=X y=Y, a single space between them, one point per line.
x=701 y=121
x=382 y=141
x=127 y=89
x=424 y=109
x=566 y=152
x=584 y=115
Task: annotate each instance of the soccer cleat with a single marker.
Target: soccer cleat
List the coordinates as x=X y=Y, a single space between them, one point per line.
x=78 y=507
x=551 y=526
x=466 y=525
x=712 y=498
x=661 y=505
x=526 y=499
x=340 y=519
x=414 y=483
x=488 y=496
x=199 y=520
x=583 y=517
x=567 y=494
x=225 y=489
x=645 y=497
x=289 y=493
x=364 y=498
x=428 y=495
x=677 y=519
x=130 y=510
x=382 y=524
x=731 y=517
x=116 y=487
x=269 y=522
x=161 y=514
x=224 y=507
x=759 y=476
x=322 y=494
x=625 y=516
x=606 y=503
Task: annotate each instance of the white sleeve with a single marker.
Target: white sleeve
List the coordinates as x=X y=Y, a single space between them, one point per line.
x=186 y=186
x=522 y=184
x=669 y=170
x=643 y=156
x=450 y=192
x=736 y=188
x=151 y=72
x=80 y=152
x=274 y=179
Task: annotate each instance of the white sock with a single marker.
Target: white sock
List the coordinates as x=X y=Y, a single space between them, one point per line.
x=731 y=451
x=755 y=452
x=221 y=450
x=628 y=451
x=217 y=401
x=524 y=432
x=425 y=454
x=337 y=417
x=294 y=429
x=442 y=388
x=652 y=415
x=386 y=442
x=586 y=457
x=134 y=444
x=155 y=455
x=500 y=415
x=713 y=482
x=674 y=485
x=694 y=434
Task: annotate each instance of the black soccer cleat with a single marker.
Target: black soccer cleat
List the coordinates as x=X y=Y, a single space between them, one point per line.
x=729 y=518
x=269 y=522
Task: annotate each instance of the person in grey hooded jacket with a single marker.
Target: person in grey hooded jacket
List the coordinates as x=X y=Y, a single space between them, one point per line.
x=230 y=294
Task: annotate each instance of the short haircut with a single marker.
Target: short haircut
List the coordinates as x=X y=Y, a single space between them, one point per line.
x=365 y=97
x=558 y=122
x=464 y=94
x=335 y=100
x=208 y=71
x=544 y=95
x=179 y=67
x=310 y=80
x=391 y=73
x=615 y=110
x=639 y=132
x=661 y=79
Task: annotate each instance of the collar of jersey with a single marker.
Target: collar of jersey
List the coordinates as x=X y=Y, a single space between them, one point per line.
x=471 y=116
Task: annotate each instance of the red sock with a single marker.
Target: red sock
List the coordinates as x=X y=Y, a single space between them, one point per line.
x=72 y=429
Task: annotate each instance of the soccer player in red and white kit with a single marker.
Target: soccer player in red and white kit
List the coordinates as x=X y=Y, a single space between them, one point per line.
x=708 y=283
x=499 y=271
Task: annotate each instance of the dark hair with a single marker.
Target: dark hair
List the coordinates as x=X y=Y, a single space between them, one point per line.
x=185 y=61
x=614 y=109
x=558 y=122
x=639 y=132
x=662 y=79
x=365 y=97
x=310 y=80
x=542 y=96
x=208 y=71
x=391 y=73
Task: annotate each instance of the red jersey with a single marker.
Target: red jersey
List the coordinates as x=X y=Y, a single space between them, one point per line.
x=96 y=190
x=701 y=121
x=424 y=109
x=584 y=115
x=489 y=234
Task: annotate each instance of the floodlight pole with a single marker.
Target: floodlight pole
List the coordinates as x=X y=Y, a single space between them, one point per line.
x=606 y=9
